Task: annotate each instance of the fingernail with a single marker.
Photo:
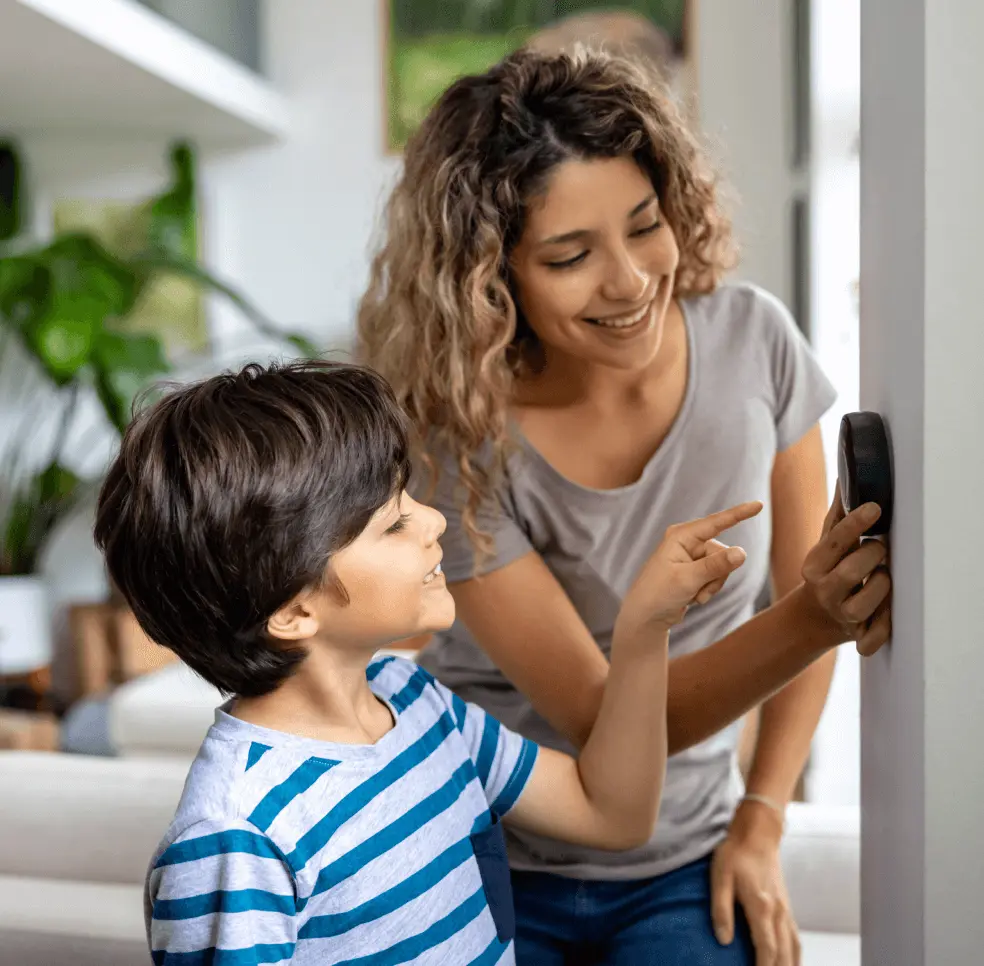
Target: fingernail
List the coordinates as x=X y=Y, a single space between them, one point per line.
x=735 y=555
x=872 y=511
x=721 y=936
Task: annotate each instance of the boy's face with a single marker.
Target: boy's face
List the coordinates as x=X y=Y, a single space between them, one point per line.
x=391 y=573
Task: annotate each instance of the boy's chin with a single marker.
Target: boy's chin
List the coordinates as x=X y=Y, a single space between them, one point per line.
x=417 y=633
x=437 y=619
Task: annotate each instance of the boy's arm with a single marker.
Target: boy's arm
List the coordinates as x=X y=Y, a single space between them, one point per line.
x=221 y=887
x=608 y=798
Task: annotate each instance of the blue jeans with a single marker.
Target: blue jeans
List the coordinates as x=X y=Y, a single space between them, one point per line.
x=664 y=921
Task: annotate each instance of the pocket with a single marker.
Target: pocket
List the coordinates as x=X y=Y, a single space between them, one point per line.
x=489 y=847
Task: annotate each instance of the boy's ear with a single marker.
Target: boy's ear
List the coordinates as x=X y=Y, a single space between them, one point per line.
x=297 y=620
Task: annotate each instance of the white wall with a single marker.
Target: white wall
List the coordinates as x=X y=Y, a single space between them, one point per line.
x=835 y=776
x=921 y=351
x=745 y=91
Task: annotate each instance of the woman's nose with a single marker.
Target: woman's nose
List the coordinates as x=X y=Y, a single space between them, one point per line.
x=626 y=281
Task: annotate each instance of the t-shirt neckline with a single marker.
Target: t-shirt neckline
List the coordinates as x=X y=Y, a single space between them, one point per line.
x=669 y=442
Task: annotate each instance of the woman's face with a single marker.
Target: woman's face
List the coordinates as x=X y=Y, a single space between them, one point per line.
x=595 y=265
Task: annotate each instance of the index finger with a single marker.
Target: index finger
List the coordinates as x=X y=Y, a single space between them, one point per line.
x=707 y=528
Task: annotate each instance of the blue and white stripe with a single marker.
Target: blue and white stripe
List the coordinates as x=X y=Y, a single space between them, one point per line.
x=286 y=849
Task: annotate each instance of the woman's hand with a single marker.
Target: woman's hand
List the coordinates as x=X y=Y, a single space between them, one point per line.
x=848 y=581
x=746 y=869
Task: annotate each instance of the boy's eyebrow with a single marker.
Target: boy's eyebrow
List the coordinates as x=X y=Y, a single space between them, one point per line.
x=582 y=232
x=392 y=508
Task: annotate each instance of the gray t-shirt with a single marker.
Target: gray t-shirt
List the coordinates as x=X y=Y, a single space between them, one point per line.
x=753 y=389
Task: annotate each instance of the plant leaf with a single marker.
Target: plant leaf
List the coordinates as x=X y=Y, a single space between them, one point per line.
x=124 y=365
x=62 y=297
x=40 y=503
x=164 y=264
x=306 y=347
x=24 y=284
x=173 y=216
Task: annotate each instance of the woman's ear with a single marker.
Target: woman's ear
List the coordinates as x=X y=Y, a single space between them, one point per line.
x=297 y=620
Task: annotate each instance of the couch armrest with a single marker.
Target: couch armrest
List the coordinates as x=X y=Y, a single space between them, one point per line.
x=83 y=817
x=821 y=856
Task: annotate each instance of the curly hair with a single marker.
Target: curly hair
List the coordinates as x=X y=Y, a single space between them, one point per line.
x=439 y=319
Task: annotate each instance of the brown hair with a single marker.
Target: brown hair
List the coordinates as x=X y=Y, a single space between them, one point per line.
x=228 y=498
x=439 y=320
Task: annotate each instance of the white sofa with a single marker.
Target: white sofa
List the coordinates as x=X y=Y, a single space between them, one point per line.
x=76 y=833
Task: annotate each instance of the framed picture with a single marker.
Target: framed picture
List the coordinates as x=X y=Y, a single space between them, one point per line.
x=430 y=43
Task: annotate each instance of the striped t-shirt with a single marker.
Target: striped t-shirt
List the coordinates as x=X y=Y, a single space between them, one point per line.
x=287 y=849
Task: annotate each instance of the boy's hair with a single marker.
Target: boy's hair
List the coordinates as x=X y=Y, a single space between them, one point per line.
x=228 y=498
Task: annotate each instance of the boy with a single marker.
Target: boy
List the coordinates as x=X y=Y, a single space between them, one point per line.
x=258 y=526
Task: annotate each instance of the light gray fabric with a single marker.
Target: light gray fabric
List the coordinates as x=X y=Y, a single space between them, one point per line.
x=85 y=728
x=753 y=389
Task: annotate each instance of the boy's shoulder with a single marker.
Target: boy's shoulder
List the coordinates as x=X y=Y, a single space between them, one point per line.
x=240 y=786
x=215 y=802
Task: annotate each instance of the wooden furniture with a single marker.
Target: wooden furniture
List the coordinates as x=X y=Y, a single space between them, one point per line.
x=28 y=731
x=110 y=648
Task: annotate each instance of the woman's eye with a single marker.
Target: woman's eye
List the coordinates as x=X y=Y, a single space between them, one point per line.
x=400 y=524
x=570 y=262
x=649 y=229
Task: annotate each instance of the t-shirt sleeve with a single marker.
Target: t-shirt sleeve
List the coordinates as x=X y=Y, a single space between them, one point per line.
x=503 y=759
x=221 y=887
x=802 y=392
x=497 y=517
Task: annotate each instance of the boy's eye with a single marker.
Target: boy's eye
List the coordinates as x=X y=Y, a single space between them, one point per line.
x=400 y=524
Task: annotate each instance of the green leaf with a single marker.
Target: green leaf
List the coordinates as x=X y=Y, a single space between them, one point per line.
x=124 y=365
x=305 y=345
x=169 y=265
x=35 y=510
x=62 y=338
x=173 y=221
x=81 y=266
x=62 y=297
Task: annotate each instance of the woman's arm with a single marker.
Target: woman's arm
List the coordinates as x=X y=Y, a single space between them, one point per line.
x=527 y=625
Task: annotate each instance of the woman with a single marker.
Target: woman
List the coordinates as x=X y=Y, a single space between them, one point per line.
x=548 y=306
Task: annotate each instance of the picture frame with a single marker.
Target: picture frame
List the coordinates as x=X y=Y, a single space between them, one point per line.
x=417 y=68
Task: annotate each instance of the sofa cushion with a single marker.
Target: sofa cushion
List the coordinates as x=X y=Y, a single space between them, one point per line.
x=80 y=817
x=830 y=949
x=168 y=712
x=821 y=857
x=47 y=921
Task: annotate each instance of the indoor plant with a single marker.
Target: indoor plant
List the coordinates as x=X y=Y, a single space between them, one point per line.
x=62 y=306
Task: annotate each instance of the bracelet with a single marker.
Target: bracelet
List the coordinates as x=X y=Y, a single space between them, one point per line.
x=768 y=803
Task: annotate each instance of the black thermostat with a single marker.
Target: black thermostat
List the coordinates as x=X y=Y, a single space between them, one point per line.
x=864 y=467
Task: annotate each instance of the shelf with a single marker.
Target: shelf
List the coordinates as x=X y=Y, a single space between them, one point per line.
x=104 y=67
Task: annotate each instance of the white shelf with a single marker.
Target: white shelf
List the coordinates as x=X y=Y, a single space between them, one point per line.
x=114 y=67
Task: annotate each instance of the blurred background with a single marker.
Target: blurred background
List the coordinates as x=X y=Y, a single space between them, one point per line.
x=188 y=185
